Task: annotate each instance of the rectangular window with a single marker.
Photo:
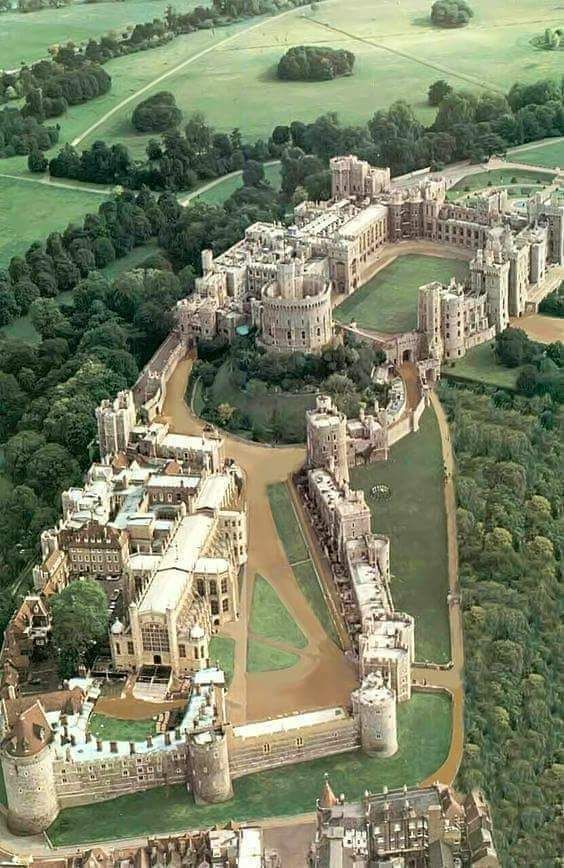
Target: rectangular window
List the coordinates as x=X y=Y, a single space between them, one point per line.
x=130 y=648
x=182 y=650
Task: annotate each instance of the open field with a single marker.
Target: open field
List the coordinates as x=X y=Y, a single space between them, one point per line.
x=262 y=410
x=298 y=556
x=29 y=212
x=388 y=302
x=424 y=738
x=270 y=618
x=499 y=178
x=222 y=650
x=414 y=519
x=27 y=37
x=397 y=52
x=114 y=729
x=550 y=155
x=479 y=364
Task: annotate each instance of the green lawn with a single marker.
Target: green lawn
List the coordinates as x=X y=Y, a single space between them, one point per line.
x=499 y=178
x=31 y=211
x=265 y=658
x=550 y=155
x=222 y=649
x=263 y=409
x=414 y=519
x=116 y=729
x=297 y=552
x=287 y=524
x=270 y=618
x=480 y=364
x=424 y=739
x=388 y=302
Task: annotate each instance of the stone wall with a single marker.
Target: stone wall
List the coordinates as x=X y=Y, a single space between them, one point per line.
x=259 y=753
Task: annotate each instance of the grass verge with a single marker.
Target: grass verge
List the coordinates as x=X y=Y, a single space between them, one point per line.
x=414 y=518
x=479 y=364
x=265 y=658
x=222 y=649
x=424 y=738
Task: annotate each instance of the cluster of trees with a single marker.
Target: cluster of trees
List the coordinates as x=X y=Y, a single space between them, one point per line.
x=23 y=135
x=79 y=624
x=451 y=13
x=466 y=126
x=315 y=63
x=177 y=162
x=62 y=87
x=64 y=259
x=340 y=371
x=542 y=365
x=553 y=304
x=157 y=113
x=509 y=492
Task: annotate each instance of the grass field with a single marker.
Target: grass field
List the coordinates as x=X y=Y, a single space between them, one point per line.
x=116 y=729
x=270 y=618
x=414 y=519
x=499 y=178
x=222 y=649
x=30 y=211
x=480 y=364
x=424 y=739
x=261 y=409
x=298 y=556
x=550 y=155
x=388 y=302
x=266 y=658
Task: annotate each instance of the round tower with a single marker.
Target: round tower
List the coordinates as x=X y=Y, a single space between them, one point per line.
x=376 y=705
x=27 y=765
x=211 y=777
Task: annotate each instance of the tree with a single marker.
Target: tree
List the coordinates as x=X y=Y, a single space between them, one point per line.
x=46 y=317
x=315 y=63
x=253 y=174
x=158 y=113
x=8 y=305
x=12 y=404
x=19 y=451
x=51 y=469
x=37 y=161
x=225 y=413
x=79 y=622
x=451 y=13
x=437 y=92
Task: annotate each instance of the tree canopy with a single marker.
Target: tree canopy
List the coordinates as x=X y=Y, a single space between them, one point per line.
x=315 y=63
x=451 y=13
x=79 y=622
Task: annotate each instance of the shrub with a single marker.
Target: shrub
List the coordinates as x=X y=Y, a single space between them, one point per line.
x=451 y=13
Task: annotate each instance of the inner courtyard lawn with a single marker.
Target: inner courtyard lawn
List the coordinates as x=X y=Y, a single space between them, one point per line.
x=550 y=155
x=222 y=650
x=388 y=302
x=480 y=364
x=116 y=729
x=414 y=519
x=266 y=658
x=270 y=618
x=424 y=737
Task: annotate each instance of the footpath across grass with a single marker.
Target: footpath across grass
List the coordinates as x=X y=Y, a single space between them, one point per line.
x=424 y=726
x=298 y=555
x=388 y=302
x=270 y=618
x=480 y=365
x=414 y=518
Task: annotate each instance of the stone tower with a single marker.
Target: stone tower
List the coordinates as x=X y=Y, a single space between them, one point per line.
x=211 y=777
x=327 y=439
x=489 y=273
x=27 y=765
x=375 y=705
